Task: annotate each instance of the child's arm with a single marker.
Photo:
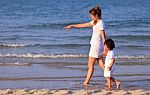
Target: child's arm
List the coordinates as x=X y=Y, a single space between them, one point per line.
x=111 y=63
x=82 y=25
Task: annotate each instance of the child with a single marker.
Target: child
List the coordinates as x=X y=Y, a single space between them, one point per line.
x=110 y=63
x=97 y=40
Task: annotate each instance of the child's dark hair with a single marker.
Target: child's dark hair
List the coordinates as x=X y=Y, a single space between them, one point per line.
x=110 y=44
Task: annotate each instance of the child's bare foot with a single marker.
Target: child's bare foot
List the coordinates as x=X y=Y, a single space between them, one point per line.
x=118 y=84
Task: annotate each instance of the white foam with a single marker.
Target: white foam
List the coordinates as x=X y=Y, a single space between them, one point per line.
x=14 y=64
x=30 y=55
x=11 y=45
x=133 y=57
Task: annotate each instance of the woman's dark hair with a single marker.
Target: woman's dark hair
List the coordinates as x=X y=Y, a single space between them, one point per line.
x=110 y=44
x=96 y=11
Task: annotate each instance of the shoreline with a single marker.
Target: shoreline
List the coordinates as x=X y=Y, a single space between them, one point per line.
x=72 y=92
x=50 y=76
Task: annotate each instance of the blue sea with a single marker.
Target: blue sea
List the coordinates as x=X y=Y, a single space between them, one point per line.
x=37 y=52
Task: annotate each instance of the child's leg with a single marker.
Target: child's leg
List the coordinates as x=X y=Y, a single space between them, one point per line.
x=109 y=84
x=118 y=82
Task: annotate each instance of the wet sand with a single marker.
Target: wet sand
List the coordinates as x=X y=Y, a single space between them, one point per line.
x=66 y=78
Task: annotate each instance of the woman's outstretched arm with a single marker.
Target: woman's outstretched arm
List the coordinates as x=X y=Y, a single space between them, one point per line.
x=82 y=25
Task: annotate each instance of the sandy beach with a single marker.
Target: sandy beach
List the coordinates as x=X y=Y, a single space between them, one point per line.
x=72 y=92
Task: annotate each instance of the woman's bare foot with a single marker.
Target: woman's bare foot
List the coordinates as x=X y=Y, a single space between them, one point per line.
x=118 y=84
x=84 y=84
x=107 y=88
x=106 y=85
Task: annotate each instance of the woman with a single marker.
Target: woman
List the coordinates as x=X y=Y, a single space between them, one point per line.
x=97 y=40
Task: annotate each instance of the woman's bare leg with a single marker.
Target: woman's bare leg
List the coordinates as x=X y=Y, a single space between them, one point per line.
x=109 y=83
x=101 y=63
x=91 y=62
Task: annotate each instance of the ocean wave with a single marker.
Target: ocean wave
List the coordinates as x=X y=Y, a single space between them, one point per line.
x=11 y=45
x=32 y=55
x=15 y=45
x=56 y=25
x=132 y=57
x=131 y=36
x=128 y=23
x=134 y=46
x=65 y=45
x=15 y=64
x=110 y=24
x=49 y=25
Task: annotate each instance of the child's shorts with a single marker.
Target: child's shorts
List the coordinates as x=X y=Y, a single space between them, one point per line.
x=96 y=50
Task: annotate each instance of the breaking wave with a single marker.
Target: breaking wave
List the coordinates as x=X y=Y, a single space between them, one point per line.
x=11 y=45
x=33 y=55
x=15 y=64
x=30 y=55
